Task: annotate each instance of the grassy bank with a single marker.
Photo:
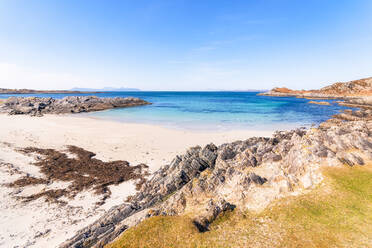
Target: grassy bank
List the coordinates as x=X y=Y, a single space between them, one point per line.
x=336 y=214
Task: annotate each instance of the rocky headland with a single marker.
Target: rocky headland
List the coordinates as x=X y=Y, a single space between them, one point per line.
x=339 y=90
x=37 y=106
x=355 y=94
x=248 y=175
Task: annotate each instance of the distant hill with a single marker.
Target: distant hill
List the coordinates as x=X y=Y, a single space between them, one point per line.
x=355 y=88
x=108 y=89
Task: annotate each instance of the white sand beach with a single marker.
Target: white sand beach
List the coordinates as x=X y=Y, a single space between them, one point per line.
x=40 y=224
x=110 y=140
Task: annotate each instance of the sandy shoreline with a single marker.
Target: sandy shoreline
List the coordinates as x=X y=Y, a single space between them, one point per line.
x=40 y=224
x=110 y=140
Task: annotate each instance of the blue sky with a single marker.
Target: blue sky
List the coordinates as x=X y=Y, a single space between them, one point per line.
x=184 y=45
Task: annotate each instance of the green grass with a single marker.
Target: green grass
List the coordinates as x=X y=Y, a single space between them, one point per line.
x=336 y=214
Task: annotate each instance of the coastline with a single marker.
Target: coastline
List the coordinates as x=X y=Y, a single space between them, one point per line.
x=111 y=140
x=47 y=224
x=207 y=181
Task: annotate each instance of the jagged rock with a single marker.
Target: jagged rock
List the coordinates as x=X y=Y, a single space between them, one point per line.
x=204 y=182
x=37 y=106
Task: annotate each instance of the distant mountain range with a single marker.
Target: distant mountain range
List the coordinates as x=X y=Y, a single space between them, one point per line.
x=105 y=89
x=30 y=91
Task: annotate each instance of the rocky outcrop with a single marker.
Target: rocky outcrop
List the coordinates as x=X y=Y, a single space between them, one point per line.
x=340 y=90
x=361 y=87
x=37 y=106
x=250 y=174
x=358 y=102
x=319 y=103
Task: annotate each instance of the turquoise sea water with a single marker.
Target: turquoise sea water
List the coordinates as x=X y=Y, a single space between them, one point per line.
x=215 y=110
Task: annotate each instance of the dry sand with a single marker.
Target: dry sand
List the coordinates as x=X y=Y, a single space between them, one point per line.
x=41 y=224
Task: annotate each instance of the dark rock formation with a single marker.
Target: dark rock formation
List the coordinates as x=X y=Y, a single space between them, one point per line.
x=37 y=106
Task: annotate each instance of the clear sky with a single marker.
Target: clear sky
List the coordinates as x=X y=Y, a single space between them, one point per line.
x=184 y=44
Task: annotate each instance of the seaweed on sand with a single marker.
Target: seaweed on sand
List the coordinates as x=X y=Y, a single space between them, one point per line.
x=82 y=170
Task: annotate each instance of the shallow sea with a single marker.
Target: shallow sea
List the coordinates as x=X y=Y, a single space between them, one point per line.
x=215 y=110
